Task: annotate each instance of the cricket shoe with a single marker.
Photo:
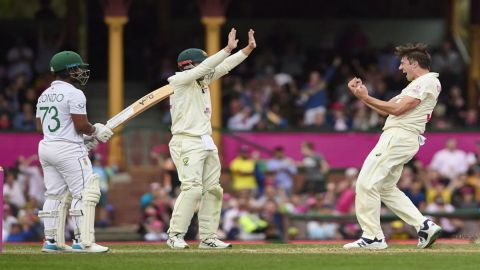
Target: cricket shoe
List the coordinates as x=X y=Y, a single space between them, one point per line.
x=428 y=233
x=214 y=243
x=51 y=247
x=94 y=248
x=365 y=243
x=176 y=241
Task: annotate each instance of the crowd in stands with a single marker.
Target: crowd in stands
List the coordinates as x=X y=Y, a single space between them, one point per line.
x=260 y=193
x=284 y=85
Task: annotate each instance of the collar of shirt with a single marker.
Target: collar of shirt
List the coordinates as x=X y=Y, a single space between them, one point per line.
x=58 y=82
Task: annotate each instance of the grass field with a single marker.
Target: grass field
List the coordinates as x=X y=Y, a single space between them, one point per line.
x=247 y=257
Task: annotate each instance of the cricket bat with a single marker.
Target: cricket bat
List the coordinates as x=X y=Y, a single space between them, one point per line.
x=140 y=106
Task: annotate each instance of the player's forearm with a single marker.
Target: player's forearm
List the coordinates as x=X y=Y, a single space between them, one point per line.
x=381 y=106
x=247 y=50
x=87 y=129
x=383 y=113
x=82 y=125
x=228 y=64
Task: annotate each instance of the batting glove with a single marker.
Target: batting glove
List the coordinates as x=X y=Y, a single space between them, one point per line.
x=102 y=133
x=90 y=142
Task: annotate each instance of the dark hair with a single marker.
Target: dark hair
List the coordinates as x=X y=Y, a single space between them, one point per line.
x=415 y=52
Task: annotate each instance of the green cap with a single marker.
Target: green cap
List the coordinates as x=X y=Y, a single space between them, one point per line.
x=190 y=56
x=66 y=59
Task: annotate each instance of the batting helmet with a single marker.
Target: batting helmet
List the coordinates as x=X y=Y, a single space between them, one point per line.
x=191 y=56
x=72 y=63
x=66 y=59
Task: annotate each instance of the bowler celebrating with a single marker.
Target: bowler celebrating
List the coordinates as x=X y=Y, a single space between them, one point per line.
x=408 y=114
x=192 y=148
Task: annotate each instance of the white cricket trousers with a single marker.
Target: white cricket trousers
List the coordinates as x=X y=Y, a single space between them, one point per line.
x=65 y=166
x=199 y=174
x=377 y=182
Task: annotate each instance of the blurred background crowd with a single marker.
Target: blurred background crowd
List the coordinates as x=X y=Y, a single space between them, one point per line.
x=284 y=86
x=287 y=84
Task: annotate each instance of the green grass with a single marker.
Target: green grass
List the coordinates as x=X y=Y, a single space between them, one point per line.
x=247 y=257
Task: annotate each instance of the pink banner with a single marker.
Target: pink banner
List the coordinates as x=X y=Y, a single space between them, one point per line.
x=1 y=209
x=13 y=145
x=341 y=150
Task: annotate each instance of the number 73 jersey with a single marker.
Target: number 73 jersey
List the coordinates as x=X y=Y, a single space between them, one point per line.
x=54 y=109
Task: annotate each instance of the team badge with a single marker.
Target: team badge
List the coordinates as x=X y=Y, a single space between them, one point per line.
x=185 y=161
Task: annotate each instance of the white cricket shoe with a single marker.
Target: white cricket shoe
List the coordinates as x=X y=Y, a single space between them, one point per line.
x=428 y=234
x=365 y=243
x=176 y=241
x=51 y=247
x=94 y=248
x=214 y=243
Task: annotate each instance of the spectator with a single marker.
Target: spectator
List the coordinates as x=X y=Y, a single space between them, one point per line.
x=283 y=168
x=416 y=194
x=18 y=233
x=313 y=97
x=13 y=189
x=345 y=203
x=8 y=220
x=448 y=62
x=242 y=169
x=320 y=122
x=244 y=119
x=315 y=168
x=33 y=179
x=20 y=58
x=148 y=197
x=4 y=121
x=25 y=120
x=340 y=121
x=450 y=162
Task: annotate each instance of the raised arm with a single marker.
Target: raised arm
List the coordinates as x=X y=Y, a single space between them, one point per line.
x=237 y=58
x=208 y=64
x=396 y=106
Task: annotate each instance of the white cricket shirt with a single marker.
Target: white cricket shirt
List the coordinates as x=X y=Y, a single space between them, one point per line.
x=426 y=88
x=54 y=108
x=190 y=103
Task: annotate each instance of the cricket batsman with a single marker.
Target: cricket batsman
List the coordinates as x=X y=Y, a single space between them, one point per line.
x=408 y=113
x=192 y=148
x=63 y=152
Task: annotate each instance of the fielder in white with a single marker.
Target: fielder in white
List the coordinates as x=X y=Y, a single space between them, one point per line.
x=192 y=148
x=63 y=152
x=408 y=114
